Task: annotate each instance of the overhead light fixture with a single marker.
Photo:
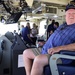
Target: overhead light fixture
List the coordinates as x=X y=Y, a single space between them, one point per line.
x=39 y=8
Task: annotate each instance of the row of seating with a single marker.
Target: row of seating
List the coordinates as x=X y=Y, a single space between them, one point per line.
x=9 y=52
x=61 y=69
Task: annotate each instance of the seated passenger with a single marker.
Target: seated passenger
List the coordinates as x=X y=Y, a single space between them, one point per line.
x=62 y=39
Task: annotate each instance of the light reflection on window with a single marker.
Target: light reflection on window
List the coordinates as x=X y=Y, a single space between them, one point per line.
x=42 y=29
x=8 y=27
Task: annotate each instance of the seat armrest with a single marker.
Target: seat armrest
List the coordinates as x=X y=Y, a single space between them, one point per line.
x=53 y=62
x=65 y=52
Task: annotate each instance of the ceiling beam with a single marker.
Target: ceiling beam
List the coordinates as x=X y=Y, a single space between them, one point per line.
x=29 y=2
x=62 y=2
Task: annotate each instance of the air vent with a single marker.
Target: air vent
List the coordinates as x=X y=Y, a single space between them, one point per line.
x=51 y=10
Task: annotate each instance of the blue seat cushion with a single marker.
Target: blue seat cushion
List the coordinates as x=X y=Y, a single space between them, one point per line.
x=47 y=70
x=68 y=70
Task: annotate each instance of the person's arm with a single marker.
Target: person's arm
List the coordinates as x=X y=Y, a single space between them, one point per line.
x=70 y=47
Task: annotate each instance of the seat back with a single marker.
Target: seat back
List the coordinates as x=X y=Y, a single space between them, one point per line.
x=5 y=55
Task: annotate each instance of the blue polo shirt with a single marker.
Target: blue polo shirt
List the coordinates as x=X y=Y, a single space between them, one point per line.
x=63 y=35
x=25 y=32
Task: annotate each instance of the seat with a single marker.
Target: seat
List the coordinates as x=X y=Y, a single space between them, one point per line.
x=62 y=69
x=5 y=55
x=18 y=47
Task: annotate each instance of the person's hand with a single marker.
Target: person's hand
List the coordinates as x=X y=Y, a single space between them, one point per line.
x=54 y=50
x=41 y=43
x=51 y=32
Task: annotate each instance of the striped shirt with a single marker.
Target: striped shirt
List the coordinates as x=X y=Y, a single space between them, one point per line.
x=64 y=35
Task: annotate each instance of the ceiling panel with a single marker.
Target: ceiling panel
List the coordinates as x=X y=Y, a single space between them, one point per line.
x=35 y=4
x=63 y=2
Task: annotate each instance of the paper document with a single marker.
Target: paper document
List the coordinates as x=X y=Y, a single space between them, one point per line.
x=20 y=61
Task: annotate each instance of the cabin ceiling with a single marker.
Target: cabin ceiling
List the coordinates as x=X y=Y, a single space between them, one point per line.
x=36 y=5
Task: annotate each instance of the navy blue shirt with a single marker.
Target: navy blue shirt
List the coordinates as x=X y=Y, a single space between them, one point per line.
x=50 y=27
x=63 y=35
x=25 y=33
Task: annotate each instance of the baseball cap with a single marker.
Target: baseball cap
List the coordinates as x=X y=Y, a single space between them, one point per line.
x=70 y=6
